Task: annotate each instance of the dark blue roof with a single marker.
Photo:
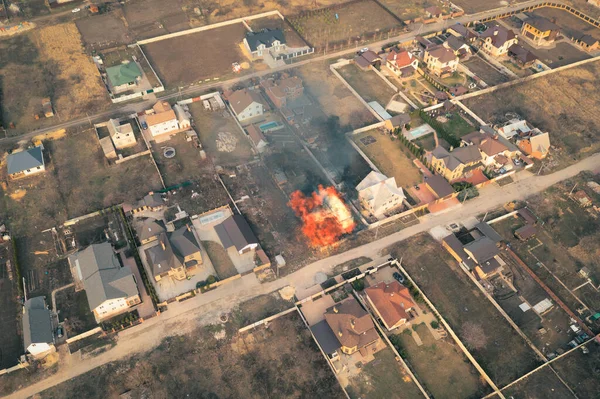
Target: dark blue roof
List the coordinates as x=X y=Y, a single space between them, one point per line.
x=23 y=160
x=265 y=36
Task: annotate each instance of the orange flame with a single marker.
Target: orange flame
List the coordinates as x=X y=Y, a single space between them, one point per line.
x=325 y=216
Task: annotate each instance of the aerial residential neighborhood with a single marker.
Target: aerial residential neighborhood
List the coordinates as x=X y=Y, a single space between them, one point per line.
x=300 y=199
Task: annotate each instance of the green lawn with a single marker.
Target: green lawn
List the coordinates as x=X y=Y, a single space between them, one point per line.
x=458 y=126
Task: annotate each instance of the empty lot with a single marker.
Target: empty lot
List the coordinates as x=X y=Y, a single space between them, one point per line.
x=102 y=31
x=391 y=157
x=193 y=58
x=354 y=20
x=368 y=84
x=572 y=122
x=485 y=71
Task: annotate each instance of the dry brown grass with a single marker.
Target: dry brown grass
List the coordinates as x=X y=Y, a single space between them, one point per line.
x=79 y=87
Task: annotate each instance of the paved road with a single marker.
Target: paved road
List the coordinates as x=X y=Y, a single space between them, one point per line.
x=415 y=29
x=205 y=309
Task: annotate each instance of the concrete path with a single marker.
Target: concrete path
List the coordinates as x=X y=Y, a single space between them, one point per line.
x=54 y=295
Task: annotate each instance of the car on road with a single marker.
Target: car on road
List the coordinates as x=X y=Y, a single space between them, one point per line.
x=59 y=332
x=144 y=125
x=75 y=10
x=398 y=277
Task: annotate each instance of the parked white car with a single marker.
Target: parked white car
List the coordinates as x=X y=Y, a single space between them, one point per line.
x=75 y=10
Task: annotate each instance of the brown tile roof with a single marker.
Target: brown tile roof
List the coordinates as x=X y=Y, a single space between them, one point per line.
x=499 y=35
x=255 y=134
x=442 y=53
x=241 y=99
x=542 y=24
x=492 y=147
x=161 y=106
x=351 y=324
x=391 y=301
x=161 y=117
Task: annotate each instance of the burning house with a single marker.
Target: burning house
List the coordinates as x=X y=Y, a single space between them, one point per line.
x=325 y=216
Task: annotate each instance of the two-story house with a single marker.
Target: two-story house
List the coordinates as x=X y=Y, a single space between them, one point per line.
x=162 y=120
x=401 y=62
x=441 y=61
x=540 y=30
x=452 y=164
x=283 y=90
x=176 y=254
x=259 y=43
x=391 y=302
x=121 y=135
x=379 y=194
x=352 y=326
x=246 y=104
x=496 y=40
x=111 y=289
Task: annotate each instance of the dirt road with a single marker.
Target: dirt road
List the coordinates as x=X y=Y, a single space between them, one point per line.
x=205 y=309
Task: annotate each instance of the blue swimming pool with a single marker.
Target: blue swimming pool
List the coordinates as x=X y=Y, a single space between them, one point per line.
x=420 y=131
x=269 y=126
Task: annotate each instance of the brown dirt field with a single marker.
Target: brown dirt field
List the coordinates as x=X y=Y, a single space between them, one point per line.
x=367 y=84
x=569 y=23
x=60 y=45
x=572 y=122
x=333 y=96
x=291 y=37
x=475 y=6
x=103 y=31
x=356 y=19
x=88 y=184
x=540 y=385
x=407 y=9
x=151 y=18
x=264 y=363
x=47 y=62
x=580 y=371
x=197 y=56
x=485 y=71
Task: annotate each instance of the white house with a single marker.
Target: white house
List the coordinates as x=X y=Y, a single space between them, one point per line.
x=267 y=39
x=246 y=104
x=497 y=39
x=163 y=119
x=182 y=117
x=122 y=136
x=38 y=336
x=26 y=162
x=379 y=194
x=110 y=288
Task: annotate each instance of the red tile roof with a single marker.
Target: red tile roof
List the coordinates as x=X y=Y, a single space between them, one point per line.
x=391 y=301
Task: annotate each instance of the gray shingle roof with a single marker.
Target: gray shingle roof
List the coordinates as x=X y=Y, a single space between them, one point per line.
x=439 y=185
x=183 y=242
x=266 y=37
x=482 y=249
x=102 y=275
x=488 y=231
x=148 y=227
x=325 y=337
x=235 y=231
x=23 y=160
x=37 y=322
x=160 y=259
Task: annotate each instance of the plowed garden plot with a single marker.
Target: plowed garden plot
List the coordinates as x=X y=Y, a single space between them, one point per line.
x=10 y=340
x=104 y=31
x=573 y=124
x=580 y=370
x=485 y=71
x=497 y=347
x=475 y=6
x=364 y=19
x=198 y=56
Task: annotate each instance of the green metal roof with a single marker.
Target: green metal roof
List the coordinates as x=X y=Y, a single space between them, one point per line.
x=123 y=74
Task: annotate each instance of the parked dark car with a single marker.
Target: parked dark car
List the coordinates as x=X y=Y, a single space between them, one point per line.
x=398 y=277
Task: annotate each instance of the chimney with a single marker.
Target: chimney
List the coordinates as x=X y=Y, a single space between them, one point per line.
x=340 y=333
x=335 y=309
x=496 y=32
x=162 y=244
x=352 y=323
x=188 y=227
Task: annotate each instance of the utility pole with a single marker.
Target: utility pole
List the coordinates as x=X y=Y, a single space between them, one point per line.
x=573 y=189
